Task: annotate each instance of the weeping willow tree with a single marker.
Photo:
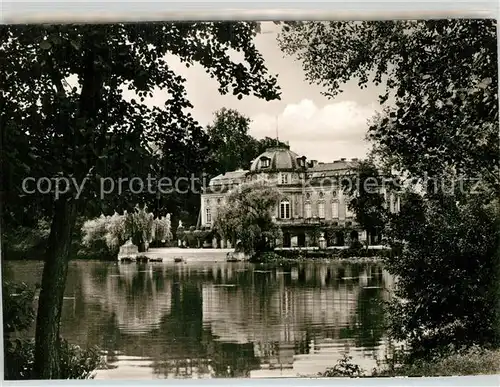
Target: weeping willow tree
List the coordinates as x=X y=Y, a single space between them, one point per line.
x=247 y=216
x=140 y=226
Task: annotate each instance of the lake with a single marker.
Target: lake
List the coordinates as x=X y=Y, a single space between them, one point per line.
x=218 y=319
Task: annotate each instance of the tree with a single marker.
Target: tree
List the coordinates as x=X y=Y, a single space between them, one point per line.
x=247 y=216
x=441 y=79
x=64 y=114
x=267 y=142
x=230 y=143
x=365 y=187
x=439 y=124
x=447 y=276
x=140 y=226
x=231 y=146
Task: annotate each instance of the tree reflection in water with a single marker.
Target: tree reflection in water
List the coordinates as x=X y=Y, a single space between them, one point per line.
x=225 y=319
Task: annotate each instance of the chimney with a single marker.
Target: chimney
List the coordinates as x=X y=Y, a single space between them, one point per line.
x=355 y=159
x=342 y=159
x=313 y=163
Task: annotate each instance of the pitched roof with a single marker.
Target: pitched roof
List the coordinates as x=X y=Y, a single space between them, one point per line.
x=228 y=176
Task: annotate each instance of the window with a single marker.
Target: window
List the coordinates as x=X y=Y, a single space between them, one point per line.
x=335 y=210
x=308 y=195
x=321 y=210
x=209 y=215
x=284 y=178
x=285 y=209
x=265 y=162
x=307 y=209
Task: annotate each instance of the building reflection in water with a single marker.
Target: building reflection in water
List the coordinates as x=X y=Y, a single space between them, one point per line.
x=226 y=319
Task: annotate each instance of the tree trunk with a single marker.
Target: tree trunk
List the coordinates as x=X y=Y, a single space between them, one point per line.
x=47 y=340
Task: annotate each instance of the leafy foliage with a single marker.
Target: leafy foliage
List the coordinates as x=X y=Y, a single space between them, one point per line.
x=447 y=282
x=76 y=362
x=367 y=201
x=231 y=146
x=140 y=226
x=18 y=316
x=230 y=142
x=441 y=79
x=162 y=230
x=439 y=121
x=22 y=241
x=65 y=114
x=17 y=306
x=475 y=361
x=247 y=215
x=344 y=368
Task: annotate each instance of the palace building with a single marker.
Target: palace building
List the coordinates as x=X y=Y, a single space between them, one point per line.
x=313 y=211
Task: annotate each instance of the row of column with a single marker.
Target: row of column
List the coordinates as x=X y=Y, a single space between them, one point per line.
x=339 y=240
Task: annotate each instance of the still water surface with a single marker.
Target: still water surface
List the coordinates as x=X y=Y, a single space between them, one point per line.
x=219 y=319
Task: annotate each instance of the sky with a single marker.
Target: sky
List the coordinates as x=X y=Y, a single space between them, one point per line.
x=314 y=126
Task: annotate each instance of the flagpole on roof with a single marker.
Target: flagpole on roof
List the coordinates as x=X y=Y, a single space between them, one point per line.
x=277 y=136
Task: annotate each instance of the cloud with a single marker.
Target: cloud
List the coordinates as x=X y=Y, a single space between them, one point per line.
x=325 y=133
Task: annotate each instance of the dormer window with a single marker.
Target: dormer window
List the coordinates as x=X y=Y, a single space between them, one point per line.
x=265 y=162
x=301 y=161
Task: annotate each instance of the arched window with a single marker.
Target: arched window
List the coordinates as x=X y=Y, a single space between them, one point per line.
x=307 y=209
x=321 y=210
x=285 y=209
x=335 y=210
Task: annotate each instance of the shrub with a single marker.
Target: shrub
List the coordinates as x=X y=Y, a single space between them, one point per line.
x=344 y=368
x=76 y=363
x=18 y=312
x=448 y=286
x=21 y=242
x=18 y=315
x=475 y=361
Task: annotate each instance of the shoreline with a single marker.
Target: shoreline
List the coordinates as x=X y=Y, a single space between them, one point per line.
x=167 y=254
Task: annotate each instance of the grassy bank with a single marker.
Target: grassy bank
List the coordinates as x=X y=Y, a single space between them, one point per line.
x=475 y=361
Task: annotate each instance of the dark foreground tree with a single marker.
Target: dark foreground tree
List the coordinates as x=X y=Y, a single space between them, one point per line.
x=438 y=126
x=447 y=275
x=64 y=114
